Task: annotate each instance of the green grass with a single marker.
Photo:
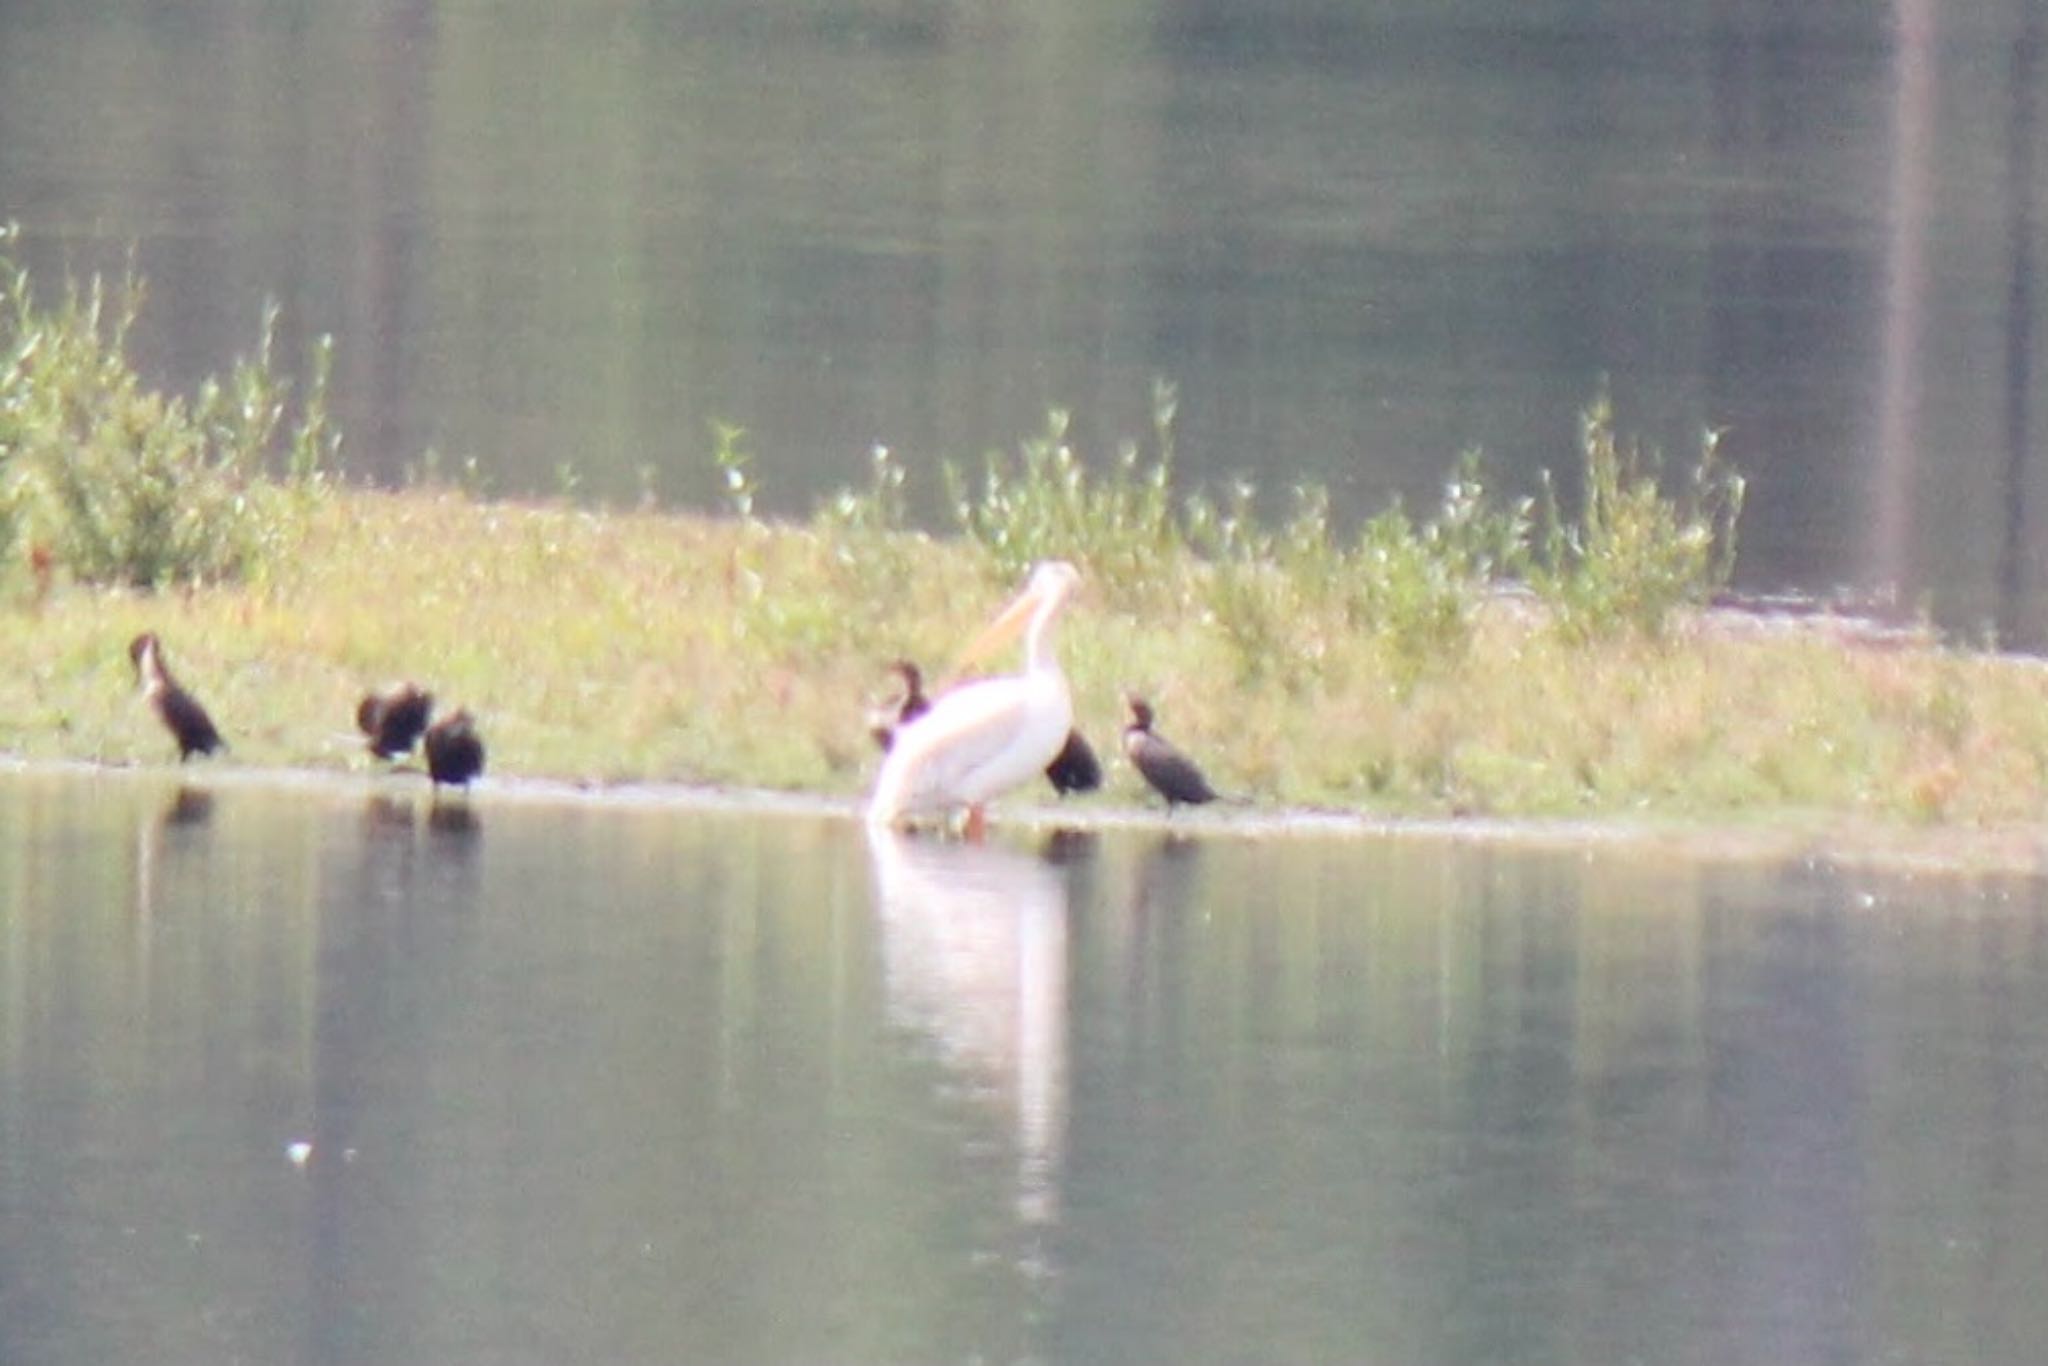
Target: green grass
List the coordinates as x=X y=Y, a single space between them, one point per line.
x=1488 y=656
x=615 y=646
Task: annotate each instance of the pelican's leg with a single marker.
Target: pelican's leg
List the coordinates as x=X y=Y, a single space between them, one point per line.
x=976 y=829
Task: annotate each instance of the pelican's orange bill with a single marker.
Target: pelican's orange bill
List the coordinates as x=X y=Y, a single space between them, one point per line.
x=1001 y=631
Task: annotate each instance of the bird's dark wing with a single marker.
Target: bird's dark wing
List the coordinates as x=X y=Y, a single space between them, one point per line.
x=1172 y=774
x=188 y=721
x=1075 y=768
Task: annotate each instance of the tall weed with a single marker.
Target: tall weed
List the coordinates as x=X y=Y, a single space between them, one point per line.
x=119 y=483
x=1119 y=524
x=1421 y=587
x=1635 y=554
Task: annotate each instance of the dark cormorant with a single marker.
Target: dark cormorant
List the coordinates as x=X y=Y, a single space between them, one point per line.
x=884 y=722
x=394 y=719
x=180 y=712
x=1075 y=768
x=1172 y=774
x=455 y=753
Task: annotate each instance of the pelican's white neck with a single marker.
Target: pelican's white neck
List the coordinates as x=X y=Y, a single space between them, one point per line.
x=1052 y=584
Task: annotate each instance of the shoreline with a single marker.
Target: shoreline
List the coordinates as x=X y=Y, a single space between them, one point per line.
x=1816 y=839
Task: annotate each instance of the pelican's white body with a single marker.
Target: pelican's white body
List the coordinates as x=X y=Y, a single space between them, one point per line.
x=976 y=743
x=982 y=739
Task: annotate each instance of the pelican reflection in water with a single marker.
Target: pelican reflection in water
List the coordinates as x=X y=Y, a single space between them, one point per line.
x=974 y=953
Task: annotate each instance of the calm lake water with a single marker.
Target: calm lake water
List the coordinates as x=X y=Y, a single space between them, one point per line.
x=587 y=1082
x=1362 y=237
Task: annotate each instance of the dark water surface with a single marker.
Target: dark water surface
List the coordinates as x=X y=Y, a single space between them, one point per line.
x=1361 y=236
x=590 y=1083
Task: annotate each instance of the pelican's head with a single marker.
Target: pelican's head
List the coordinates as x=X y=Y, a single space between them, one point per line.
x=1054 y=578
x=1052 y=584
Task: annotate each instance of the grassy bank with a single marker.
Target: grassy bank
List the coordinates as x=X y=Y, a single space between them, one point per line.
x=1385 y=668
x=612 y=646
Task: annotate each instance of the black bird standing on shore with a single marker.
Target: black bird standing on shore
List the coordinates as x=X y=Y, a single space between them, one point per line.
x=1074 y=769
x=455 y=753
x=394 y=719
x=180 y=712
x=884 y=722
x=1172 y=774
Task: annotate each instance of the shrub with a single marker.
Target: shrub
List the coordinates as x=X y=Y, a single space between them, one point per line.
x=1280 y=596
x=123 y=485
x=1255 y=602
x=1421 y=587
x=1635 y=555
x=1119 y=526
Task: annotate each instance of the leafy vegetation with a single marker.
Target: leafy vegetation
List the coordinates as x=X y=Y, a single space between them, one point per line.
x=1487 y=655
x=1635 y=556
x=118 y=484
x=1046 y=505
x=1632 y=558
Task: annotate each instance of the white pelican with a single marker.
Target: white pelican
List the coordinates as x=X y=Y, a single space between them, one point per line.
x=983 y=738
